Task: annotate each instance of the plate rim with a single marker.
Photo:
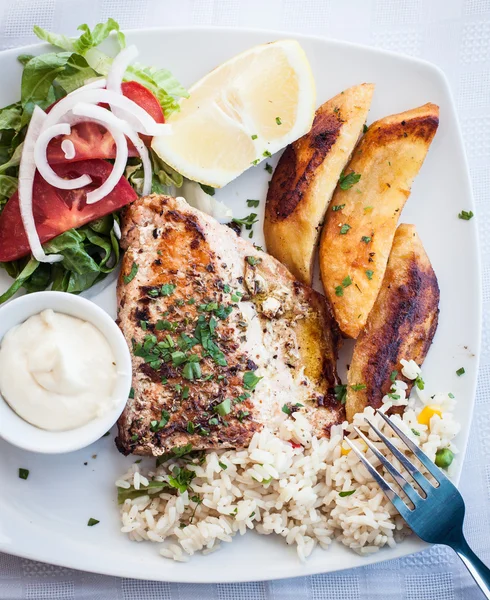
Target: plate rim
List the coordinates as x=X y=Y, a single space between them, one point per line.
x=177 y=576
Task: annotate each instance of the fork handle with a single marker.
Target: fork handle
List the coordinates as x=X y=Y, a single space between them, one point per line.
x=477 y=568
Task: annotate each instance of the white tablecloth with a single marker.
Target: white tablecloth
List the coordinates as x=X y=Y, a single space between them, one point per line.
x=455 y=34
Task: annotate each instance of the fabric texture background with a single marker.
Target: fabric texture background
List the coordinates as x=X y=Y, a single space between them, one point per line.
x=454 y=34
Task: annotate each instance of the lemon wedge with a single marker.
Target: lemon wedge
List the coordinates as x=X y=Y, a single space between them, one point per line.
x=241 y=113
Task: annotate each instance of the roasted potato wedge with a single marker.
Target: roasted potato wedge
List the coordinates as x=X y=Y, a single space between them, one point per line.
x=363 y=215
x=306 y=176
x=401 y=324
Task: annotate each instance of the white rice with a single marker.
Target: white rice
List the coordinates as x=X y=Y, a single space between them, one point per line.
x=275 y=487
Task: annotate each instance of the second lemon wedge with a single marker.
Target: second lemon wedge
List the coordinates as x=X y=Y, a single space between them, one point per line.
x=241 y=113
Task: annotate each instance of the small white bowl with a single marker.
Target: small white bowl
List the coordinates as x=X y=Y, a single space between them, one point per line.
x=24 y=435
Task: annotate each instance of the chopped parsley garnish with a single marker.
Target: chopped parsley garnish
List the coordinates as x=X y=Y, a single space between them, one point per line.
x=23 y=473
x=181 y=479
x=466 y=215
x=393 y=375
x=394 y=396
x=185 y=392
x=339 y=290
x=106 y=434
x=268 y=168
x=213 y=422
x=164 y=325
x=344 y=229
x=338 y=207
x=254 y=136
x=364 y=128
x=129 y=278
x=340 y=392
x=344 y=494
x=415 y=432
x=369 y=274
x=236 y=296
x=266 y=153
x=177 y=452
x=191 y=371
x=358 y=387
x=131 y=393
x=253 y=203
x=256 y=161
x=222 y=465
x=92 y=522
x=158 y=425
x=249 y=221
x=252 y=261
x=366 y=239
x=419 y=382
x=226 y=287
x=168 y=289
x=224 y=408
x=460 y=372
x=191 y=427
x=347 y=181
x=250 y=380
x=134 y=437
x=278 y=120
x=451 y=396
x=144 y=325
x=289 y=408
x=242 y=415
x=347 y=281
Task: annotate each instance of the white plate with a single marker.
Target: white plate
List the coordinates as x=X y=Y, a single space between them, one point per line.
x=45 y=517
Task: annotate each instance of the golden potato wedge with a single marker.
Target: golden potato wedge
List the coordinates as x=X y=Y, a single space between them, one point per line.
x=363 y=215
x=306 y=176
x=402 y=323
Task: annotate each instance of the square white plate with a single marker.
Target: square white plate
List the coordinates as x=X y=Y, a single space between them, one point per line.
x=45 y=517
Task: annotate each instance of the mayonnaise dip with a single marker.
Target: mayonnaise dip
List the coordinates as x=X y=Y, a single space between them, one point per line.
x=56 y=371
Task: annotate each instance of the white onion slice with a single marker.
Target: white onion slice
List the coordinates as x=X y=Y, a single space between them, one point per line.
x=41 y=160
x=27 y=170
x=68 y=149
x=117 y=230
x=119 y=66
x=145 y=123
x=114 y=127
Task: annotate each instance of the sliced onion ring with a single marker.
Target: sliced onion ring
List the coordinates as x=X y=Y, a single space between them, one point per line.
x=44 y=167
x=119 y=66
x=68 y=148
x=114 y=127
x=145 y=123
x=27 y=170
x=107 y=119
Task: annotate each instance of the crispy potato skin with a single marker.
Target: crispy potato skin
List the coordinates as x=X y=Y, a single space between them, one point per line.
x=402 y=323
x=388 y=158
x=306 y=176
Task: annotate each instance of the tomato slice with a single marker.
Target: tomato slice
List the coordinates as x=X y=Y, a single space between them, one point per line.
x=93 y=141
x=56 y=211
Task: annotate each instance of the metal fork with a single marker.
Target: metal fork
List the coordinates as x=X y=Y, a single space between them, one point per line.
x=437 y=511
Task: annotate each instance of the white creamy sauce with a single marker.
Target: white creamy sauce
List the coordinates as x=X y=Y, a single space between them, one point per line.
x=56 y=371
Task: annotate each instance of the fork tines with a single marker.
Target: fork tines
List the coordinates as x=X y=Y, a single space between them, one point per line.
x=424 y=484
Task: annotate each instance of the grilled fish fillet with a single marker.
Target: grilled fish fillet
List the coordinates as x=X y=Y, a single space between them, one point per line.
x=401 y=324
x=224 y=340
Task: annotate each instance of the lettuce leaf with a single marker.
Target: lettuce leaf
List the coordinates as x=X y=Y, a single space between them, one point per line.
x=90 y=38
x=88 y=256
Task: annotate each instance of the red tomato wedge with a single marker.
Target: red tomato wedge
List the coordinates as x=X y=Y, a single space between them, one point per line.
x=56 y=211
x=93 y=141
